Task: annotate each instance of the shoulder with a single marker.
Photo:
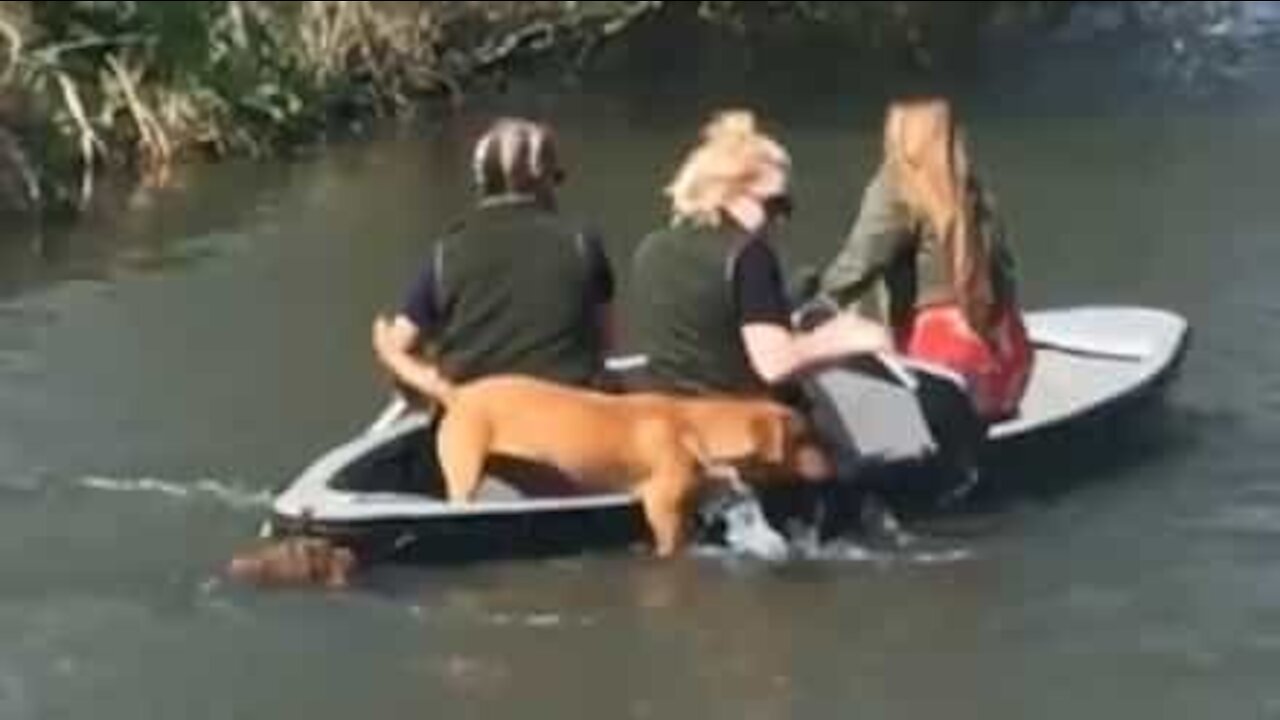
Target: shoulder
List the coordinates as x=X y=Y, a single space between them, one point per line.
x=755 y=264
x=588 y=236
x=654 y=243
x=756 y=278
x=586 y=242
x=885 y=219
x=453 y=232
x=750 y=255
x=884 y=191
x=583 y=234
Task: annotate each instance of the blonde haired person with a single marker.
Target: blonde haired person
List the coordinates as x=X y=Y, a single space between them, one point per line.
x=928 y=238
x=710 y=309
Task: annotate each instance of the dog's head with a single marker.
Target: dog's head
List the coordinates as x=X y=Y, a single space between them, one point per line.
x=784 y=440
x=757 y=433
x=295 y=562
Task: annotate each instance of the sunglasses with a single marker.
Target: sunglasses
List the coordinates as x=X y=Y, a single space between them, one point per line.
x=780 y=205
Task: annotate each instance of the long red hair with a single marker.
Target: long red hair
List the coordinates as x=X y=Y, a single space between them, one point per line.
x=925 y=147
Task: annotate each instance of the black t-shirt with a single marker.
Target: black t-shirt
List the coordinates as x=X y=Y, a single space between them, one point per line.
x=758 y=286
x=422 y=304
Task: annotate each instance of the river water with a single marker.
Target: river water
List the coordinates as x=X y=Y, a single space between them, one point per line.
x=164 y=368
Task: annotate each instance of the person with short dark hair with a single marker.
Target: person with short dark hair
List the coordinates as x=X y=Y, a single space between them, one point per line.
x=513 y=288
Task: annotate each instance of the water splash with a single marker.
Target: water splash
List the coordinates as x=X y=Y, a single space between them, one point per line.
x=747 y=532
x=231 y=495
x=536 y=620
x=941 y=557
x=543 y=620
x=811 y=548
x=746 y=529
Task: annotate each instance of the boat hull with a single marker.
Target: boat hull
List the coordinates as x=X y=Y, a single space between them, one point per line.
x=381 y=491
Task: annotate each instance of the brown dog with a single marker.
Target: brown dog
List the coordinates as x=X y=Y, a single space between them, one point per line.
x=659 y=447
x=294 y=562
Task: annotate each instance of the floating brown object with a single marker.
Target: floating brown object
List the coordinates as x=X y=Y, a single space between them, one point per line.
x=294 y=561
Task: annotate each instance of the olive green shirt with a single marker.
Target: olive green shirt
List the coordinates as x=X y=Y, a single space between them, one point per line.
x=684 y=315
x=891 y=261
x=515 y=293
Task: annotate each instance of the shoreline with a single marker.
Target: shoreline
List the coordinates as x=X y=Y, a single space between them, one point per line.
x=137 y=89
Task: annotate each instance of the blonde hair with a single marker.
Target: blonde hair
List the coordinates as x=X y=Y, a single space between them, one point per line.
x=925 y=147
x=732 y=156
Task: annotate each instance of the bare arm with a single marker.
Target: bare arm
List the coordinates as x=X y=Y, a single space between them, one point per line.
x=394 y=342
x=878 y=232
x=776 y=352
x=774 y=349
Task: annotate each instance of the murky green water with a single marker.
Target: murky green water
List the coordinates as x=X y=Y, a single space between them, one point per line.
x=161 y=370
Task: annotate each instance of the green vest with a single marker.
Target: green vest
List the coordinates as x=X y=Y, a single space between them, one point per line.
x=684 y=314
x=514 y=296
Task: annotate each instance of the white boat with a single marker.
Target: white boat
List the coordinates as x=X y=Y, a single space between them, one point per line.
x=382 y=489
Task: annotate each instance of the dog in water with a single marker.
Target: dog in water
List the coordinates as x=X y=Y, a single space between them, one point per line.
x=294 y=562
x=662 y=448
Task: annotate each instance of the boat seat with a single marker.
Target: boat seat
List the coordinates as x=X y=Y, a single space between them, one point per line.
x=865 y=415
x=1078 y=331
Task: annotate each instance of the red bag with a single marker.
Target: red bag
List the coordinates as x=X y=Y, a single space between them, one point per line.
x=996 y=372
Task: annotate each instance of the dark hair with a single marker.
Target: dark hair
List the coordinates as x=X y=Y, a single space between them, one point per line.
x=516 y=156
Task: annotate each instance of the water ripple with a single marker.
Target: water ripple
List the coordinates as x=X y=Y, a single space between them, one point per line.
x=1244 y=519
x=232 y=495
x=847 y=551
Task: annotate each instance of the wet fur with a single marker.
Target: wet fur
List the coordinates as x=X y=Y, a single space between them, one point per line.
x=294 y=562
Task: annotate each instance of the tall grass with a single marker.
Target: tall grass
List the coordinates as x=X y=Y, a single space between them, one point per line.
x=86 y=86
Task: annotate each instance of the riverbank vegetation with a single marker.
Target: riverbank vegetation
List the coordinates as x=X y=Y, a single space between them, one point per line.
x=87 y=87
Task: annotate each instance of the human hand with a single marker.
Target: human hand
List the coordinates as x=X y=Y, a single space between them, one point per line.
x=860 y=334
x=384 y=340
